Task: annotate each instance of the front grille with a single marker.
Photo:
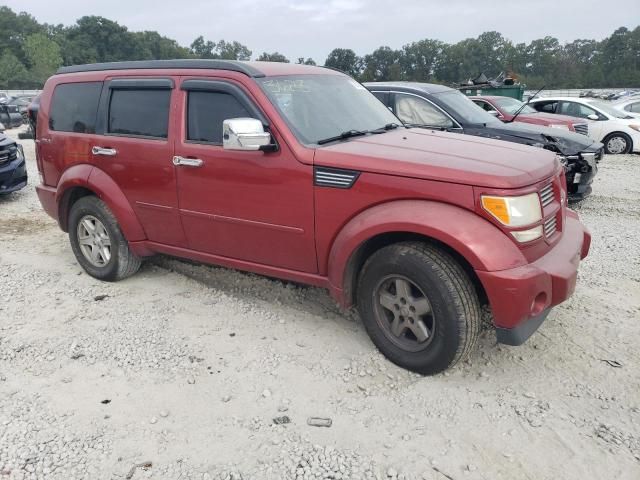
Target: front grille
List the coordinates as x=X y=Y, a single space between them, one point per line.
x=582 y=128
x=546 y=195
x=8 y=154
x=550 y=226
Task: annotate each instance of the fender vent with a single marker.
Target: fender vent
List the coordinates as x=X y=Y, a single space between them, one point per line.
x=546 y=195
x=334 y=177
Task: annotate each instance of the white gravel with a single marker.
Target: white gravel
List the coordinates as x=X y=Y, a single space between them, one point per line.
x=179 y=371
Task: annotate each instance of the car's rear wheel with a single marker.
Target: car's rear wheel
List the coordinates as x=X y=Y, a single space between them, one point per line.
x=98 y=242
x=617 y=143
x=419 y=306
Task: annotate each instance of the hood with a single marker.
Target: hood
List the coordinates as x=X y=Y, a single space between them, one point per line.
x=564 y=141
x=442 y=156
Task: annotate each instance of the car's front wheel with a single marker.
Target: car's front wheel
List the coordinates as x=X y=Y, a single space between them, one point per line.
x=98 y=242
x=419 y=306
x=617 y=143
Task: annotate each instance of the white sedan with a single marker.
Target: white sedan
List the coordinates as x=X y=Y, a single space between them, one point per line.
x=630 y=105
x=617 y=130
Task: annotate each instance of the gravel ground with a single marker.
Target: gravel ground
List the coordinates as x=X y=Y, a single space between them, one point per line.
x=180 y=371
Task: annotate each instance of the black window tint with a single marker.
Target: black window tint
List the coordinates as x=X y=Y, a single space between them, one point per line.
x=74 y=107
x=139 y=112
x=548 y=107
x=207 y=111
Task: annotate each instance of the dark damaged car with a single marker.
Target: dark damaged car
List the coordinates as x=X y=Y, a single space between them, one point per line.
x=443 y=108
x=13 y=168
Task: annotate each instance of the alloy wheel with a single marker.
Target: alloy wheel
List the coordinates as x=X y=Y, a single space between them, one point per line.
x=94 y=241
x=404 y=313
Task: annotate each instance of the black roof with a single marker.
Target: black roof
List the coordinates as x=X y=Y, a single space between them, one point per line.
x=425 y=87
x=233 y=65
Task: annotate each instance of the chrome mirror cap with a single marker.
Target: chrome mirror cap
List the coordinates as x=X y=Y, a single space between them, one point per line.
x=244 y=134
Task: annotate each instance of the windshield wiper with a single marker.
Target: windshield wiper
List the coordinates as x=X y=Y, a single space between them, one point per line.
x=358 y=133
x=519 y=111
x=343 y=135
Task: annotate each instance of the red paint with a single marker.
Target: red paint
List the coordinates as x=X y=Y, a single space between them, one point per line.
x=261 y=212
x=539 y=118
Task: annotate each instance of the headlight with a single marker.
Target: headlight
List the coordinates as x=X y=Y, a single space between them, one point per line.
x=558 y=125
x=514 y=211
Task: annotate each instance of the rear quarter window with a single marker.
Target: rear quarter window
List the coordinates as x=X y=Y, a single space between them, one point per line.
x=74 y=107
x=139 y=113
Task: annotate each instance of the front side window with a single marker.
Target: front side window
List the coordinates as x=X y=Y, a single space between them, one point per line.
x=317 y=107
x=547 y=107
x=207 y=110
x=74 y=107
x=414 y=110
x=139 y=113
x=574 y=109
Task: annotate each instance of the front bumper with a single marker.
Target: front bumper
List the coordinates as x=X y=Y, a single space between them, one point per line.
x=580 y=172
x=13 y=175
x=521 y=297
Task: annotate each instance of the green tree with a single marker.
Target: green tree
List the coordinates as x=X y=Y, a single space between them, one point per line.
x=43 y=57
x=232 y=51
x=13 y=74
x=382 y=64
x=308 y=61
x=420 y=59
x=345 y=60
x=273 y=57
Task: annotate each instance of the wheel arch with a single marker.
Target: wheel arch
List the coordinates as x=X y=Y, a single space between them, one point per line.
x=82 y=180
x=618 y=132
x=473 y=241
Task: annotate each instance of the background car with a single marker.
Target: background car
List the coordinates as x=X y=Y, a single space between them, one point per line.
x=630 y=106
x=617 y=130
x=22 y=102
x=13 y=168
x=438 y=107
x=10 y=117
x=505 y=108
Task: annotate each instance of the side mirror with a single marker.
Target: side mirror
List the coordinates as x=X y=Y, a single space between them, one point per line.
x=593 y=116
x=244 y=134
x=495 y=113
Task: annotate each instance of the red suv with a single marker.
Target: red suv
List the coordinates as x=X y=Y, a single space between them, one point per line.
x=300 y=173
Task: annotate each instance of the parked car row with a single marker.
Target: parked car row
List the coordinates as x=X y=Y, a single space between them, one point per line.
x=436 y=106
x=300 y=173
x=618 y=130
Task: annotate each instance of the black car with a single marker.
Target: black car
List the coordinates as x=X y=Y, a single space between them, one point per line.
x=438 y=107
x=13 y=168
x=22 y=103
x=10 y=116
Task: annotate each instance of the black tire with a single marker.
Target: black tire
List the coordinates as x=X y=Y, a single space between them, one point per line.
x=614 y=136
x=456 y=311
x=122 y=263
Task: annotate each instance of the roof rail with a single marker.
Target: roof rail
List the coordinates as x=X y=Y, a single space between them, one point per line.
x=232 y=65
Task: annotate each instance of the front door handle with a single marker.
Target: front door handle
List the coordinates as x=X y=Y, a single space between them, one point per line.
x=187 y=162
x=109 y=152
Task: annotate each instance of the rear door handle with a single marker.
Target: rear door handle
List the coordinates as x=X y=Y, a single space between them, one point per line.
x=43 y=140
x=108 y=152
x=187 y=162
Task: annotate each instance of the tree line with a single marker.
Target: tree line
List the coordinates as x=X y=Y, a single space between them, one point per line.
x=30 y=52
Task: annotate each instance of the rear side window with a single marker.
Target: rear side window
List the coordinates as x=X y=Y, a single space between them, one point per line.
x=207 y=111
x=74 y=107
x=139 y=113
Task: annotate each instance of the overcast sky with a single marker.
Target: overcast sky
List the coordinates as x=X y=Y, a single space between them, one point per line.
x=312 y=28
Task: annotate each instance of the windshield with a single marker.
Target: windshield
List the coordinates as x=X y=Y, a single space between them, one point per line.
x=609 y=110
x=511 y=105
x=461 y=106
x=318 y=107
